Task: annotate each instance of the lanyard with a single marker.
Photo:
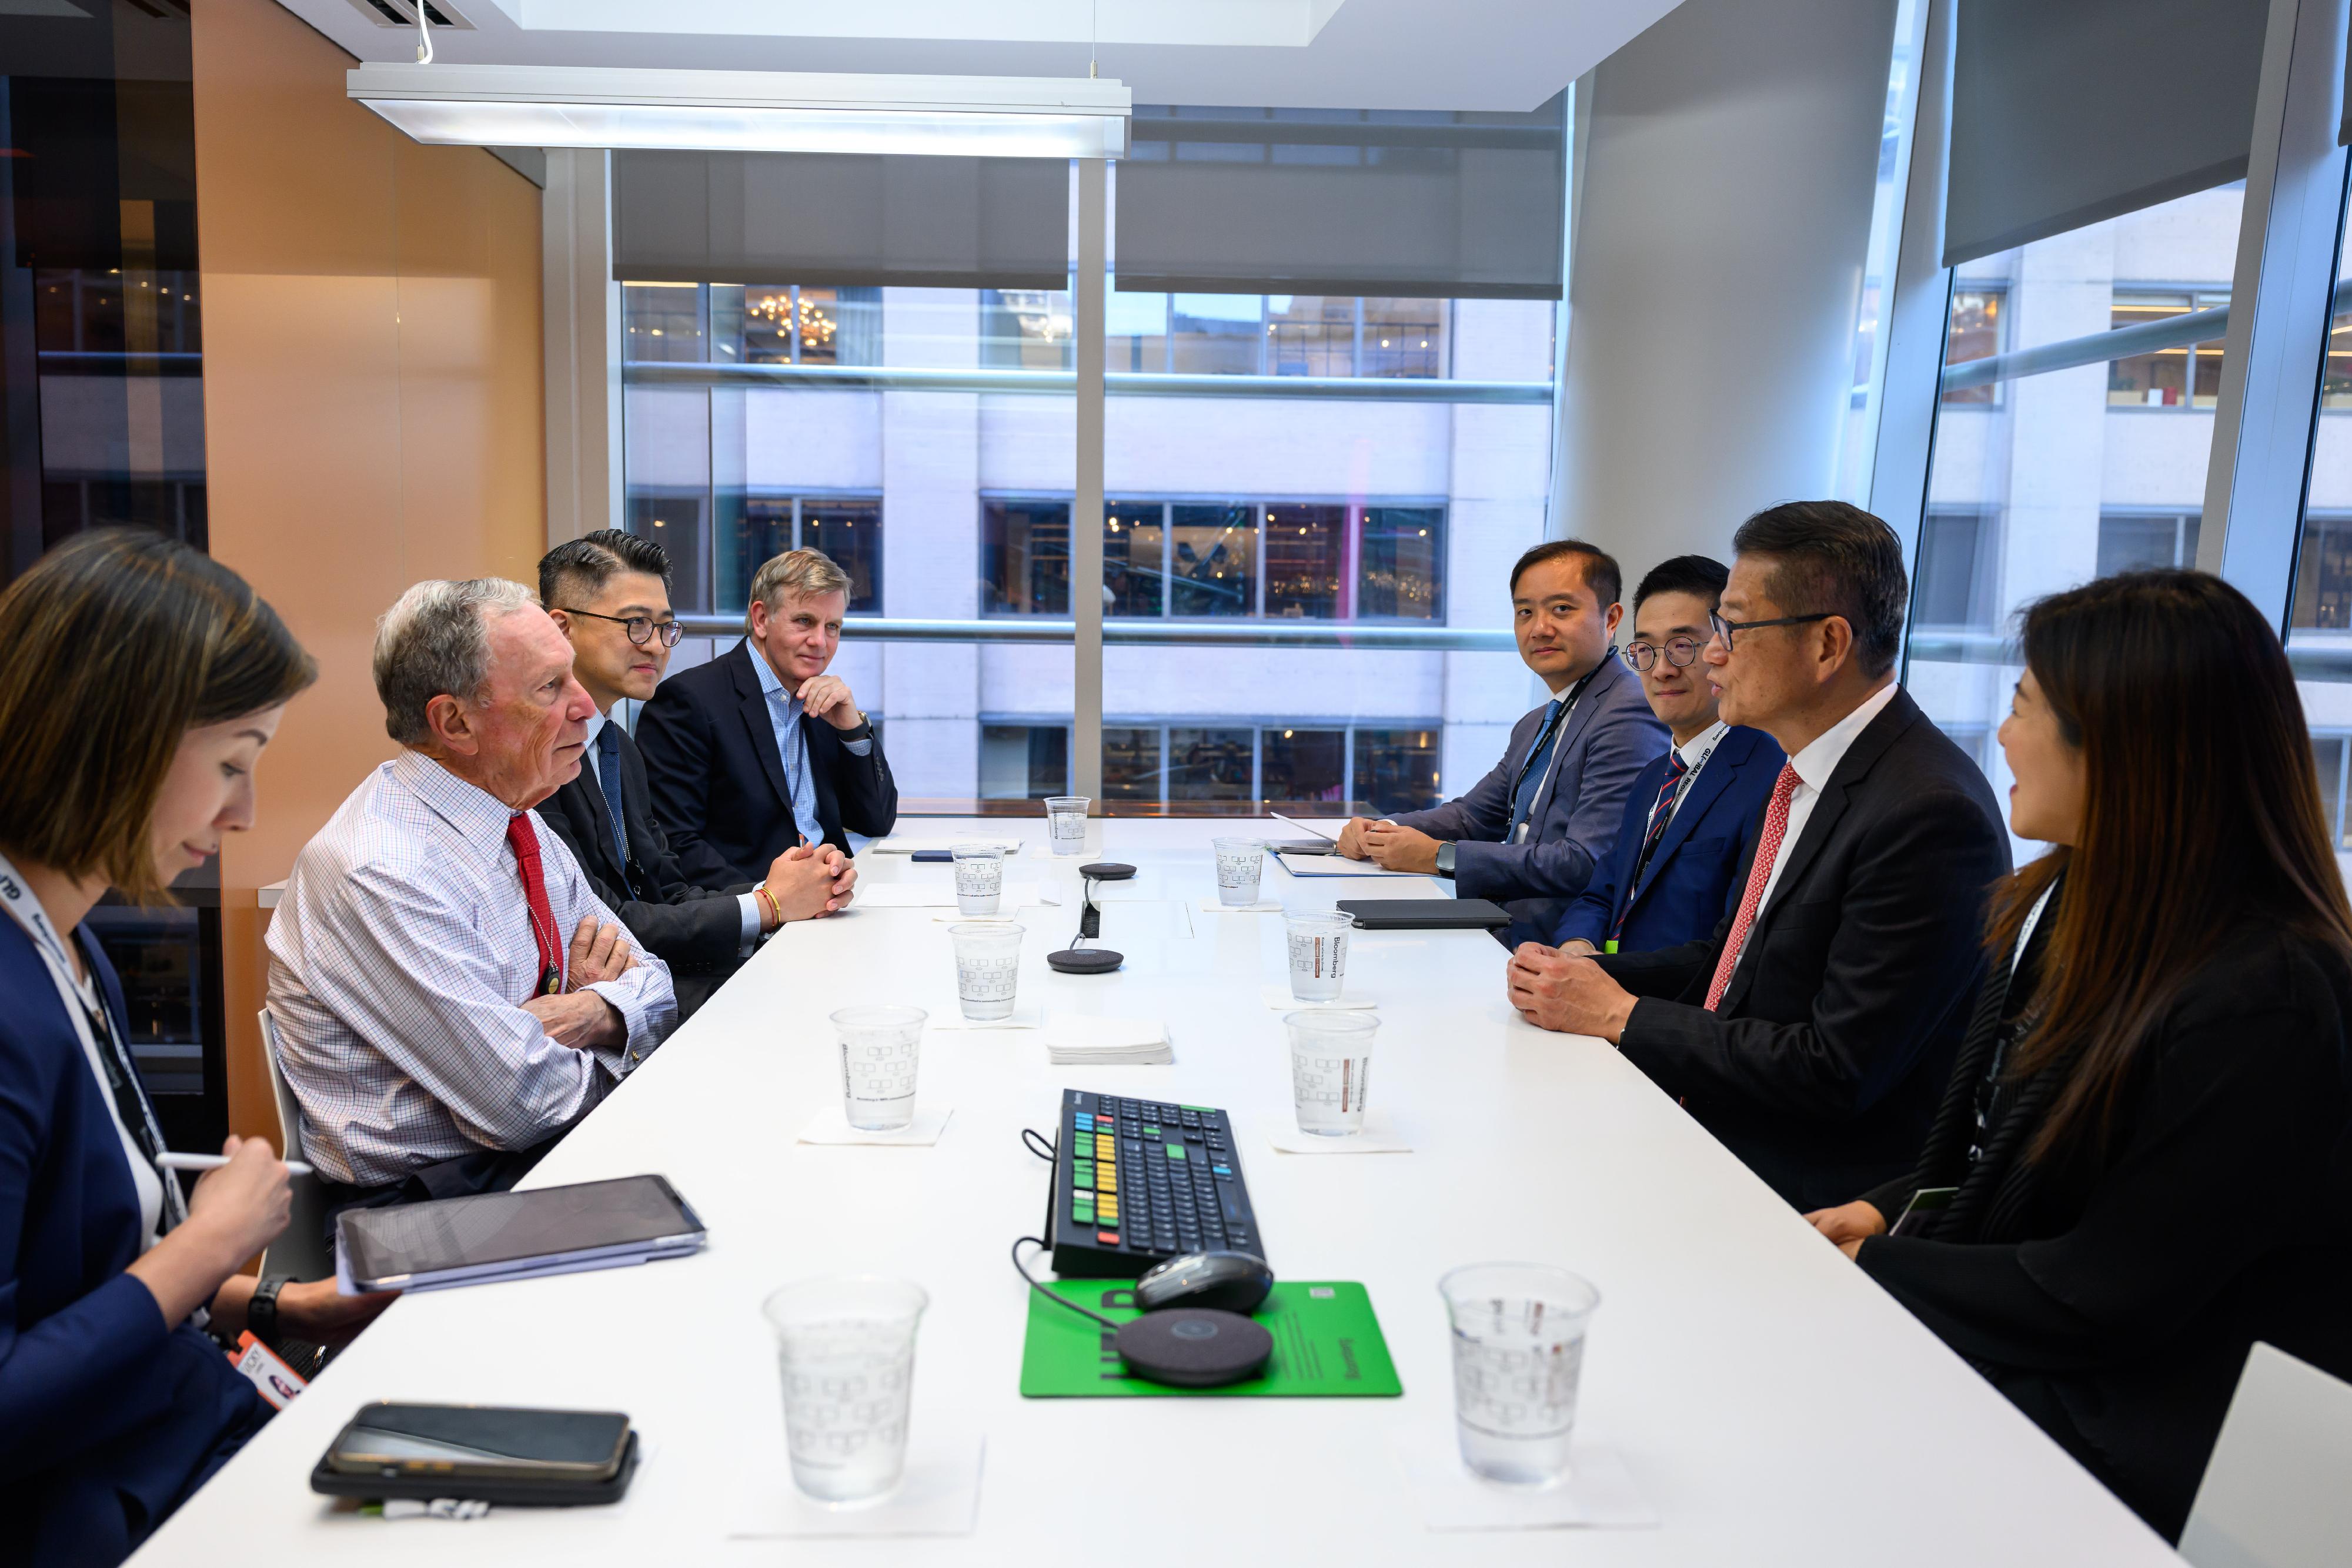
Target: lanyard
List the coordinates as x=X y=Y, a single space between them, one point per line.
x=1649 y=843
x=1690 y=774
x=1526 y=824
x=131 y=1104
x=2025 y=932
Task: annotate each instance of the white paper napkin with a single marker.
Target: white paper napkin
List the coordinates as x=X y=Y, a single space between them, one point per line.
x=1262 y=906
x=1599 y=1493
x=948 y=1015
x=831 y=1125
x=1378 y=1135
x=1078 y=1038
x=939 y=1494
x=942 y=895
x=1279 y=998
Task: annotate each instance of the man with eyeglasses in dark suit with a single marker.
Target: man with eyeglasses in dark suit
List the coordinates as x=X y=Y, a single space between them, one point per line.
x=609 y=591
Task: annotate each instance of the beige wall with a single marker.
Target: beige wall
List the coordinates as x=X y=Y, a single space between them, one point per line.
x=372 y=408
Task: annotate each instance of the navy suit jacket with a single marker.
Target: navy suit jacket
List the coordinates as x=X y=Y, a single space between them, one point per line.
x=1693 y=882
x=109 y=1417
x=718 y=788
x=1574 y=816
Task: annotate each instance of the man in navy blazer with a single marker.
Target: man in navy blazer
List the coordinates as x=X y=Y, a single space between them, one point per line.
x=761 y=750
x=1530 y=834
x=1693 y=815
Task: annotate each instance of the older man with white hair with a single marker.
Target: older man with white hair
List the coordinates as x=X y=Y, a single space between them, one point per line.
x=450 y=995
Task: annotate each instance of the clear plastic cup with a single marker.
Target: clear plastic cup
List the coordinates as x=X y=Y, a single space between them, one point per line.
x=988 y=966
x=1065 y=823
x=1319 y=953
x=1518 y=1349
x=978 y=878
x=1240 y=864
x=1330 y=1069
x=879 y=1049
x=846 y=1350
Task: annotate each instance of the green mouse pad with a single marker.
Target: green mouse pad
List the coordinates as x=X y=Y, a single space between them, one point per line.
x=1327 y=1345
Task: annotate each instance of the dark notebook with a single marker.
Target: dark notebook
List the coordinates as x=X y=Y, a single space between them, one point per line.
x=1425 y=913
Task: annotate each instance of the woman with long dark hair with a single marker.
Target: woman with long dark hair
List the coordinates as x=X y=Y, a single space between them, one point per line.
x=2144 y=1162
x=139 y=682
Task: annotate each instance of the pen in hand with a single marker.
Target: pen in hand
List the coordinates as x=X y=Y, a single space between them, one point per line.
x=214 y=1162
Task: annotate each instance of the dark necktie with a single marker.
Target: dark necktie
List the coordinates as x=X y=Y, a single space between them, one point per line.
x=1662 y=812
x=608 y=778
x=525 y=843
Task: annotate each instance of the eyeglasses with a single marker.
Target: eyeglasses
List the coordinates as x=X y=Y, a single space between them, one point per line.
x=1680 y=652
x=1724 y=629
x=641 y=627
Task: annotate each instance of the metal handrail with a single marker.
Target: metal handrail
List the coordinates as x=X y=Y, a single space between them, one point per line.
x=2310 y=661
x=1149 y=634
x=1064 y=383
x=2099 y=348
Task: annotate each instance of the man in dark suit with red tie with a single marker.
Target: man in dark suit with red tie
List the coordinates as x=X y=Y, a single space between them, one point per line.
x=1813 y=1029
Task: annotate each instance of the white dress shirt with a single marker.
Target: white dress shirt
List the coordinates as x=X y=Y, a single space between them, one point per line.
x=747 y=903
x=1814 y=765
x=400 y=958
x=1695 y=753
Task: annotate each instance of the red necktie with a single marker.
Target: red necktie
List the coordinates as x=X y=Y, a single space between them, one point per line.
x=525 y=844
x=1760 y=872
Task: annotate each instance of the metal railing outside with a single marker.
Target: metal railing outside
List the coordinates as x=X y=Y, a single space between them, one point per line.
x=2312 y=660
x=1064 y=383
x=2207 y=326
x=1149 y=634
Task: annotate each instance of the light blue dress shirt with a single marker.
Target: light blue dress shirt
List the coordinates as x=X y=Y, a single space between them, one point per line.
x=784 y=713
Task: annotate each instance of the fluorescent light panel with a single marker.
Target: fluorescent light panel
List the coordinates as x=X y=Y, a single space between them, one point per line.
x=748 y=111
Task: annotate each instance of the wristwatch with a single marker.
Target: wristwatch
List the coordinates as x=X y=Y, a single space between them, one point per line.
x=1446 y=860
x=261 y=1312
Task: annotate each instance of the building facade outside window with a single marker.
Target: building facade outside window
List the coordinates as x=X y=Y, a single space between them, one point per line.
x=1305 y=763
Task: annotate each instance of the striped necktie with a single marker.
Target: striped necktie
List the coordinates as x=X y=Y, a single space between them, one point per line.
x=1760 y=872
x=1662 y=812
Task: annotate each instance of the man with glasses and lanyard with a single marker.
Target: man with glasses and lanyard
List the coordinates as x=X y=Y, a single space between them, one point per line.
x=609 y=591
x=1530 y=834
x=1692 y=818
x=1813 y=1030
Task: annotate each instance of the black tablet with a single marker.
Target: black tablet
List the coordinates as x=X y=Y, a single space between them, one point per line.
x=1424 y=914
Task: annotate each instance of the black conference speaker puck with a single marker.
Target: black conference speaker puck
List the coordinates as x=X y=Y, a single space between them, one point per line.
x=1194 y=1347
x=1085 y=960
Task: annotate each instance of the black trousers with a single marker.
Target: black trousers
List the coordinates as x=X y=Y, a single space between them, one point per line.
x=485 y=1170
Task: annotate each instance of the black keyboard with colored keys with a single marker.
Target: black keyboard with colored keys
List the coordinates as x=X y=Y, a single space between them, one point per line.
x=1136 y=1181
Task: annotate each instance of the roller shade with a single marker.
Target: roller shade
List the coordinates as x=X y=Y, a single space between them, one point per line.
x=2066 y=114
x=1240 y=201
x=795 y=218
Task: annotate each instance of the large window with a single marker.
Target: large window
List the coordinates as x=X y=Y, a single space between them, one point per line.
x=1206 y=559
x=847 y=528
x=1328 y=765
x=2046 y=480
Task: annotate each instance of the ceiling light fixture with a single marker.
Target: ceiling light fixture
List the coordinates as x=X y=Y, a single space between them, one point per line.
x=748 y=111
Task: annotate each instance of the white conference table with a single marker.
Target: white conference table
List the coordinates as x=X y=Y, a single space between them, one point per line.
x=1772 y=1404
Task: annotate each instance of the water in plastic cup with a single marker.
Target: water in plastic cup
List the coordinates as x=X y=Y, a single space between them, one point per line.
x=988 y=963
x=1065 y=823
x=1330 y=1069
x=978 y=878
x=879 y=1048
x=1239 y=864
x=1519 y=1346
x=846 y=1350
x=1319 y=953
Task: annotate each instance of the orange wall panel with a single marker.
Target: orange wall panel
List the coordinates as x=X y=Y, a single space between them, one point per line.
x=373 y=409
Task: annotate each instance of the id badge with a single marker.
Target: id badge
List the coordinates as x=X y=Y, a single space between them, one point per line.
x=278 y=1383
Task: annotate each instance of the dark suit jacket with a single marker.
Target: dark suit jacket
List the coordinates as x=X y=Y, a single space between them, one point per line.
x=719 y=786
x=2114 y=1294
x=695 y=930
x=109 y=1418
x=1693 y=882
x=1830 y=1050
x=1574 y=816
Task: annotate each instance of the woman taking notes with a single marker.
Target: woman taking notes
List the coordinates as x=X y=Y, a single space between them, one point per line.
x=139 y=682
x=2143 y=1164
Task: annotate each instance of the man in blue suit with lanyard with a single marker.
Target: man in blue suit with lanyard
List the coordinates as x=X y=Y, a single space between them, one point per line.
x=1531 y=833
x=1693 y=814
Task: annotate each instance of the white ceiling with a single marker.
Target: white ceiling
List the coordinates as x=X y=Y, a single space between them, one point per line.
x=1493 y=55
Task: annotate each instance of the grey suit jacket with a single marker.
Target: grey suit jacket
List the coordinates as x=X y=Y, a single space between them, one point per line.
x=1609 y=738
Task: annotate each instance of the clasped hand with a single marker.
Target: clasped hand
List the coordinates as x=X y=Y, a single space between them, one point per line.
x=1388 y=845
x=1556 y=989
x=810 y=880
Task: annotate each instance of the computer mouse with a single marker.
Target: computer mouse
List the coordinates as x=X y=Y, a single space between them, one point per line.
x=1223 y=1282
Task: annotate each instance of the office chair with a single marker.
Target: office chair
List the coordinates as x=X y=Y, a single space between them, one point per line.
x=301 y=1251
x=2273 y=1493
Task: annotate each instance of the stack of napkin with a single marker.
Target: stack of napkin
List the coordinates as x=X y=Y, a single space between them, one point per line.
x=1072 y=1039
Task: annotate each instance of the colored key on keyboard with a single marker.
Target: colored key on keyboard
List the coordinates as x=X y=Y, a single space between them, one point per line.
x=1136 y=1181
